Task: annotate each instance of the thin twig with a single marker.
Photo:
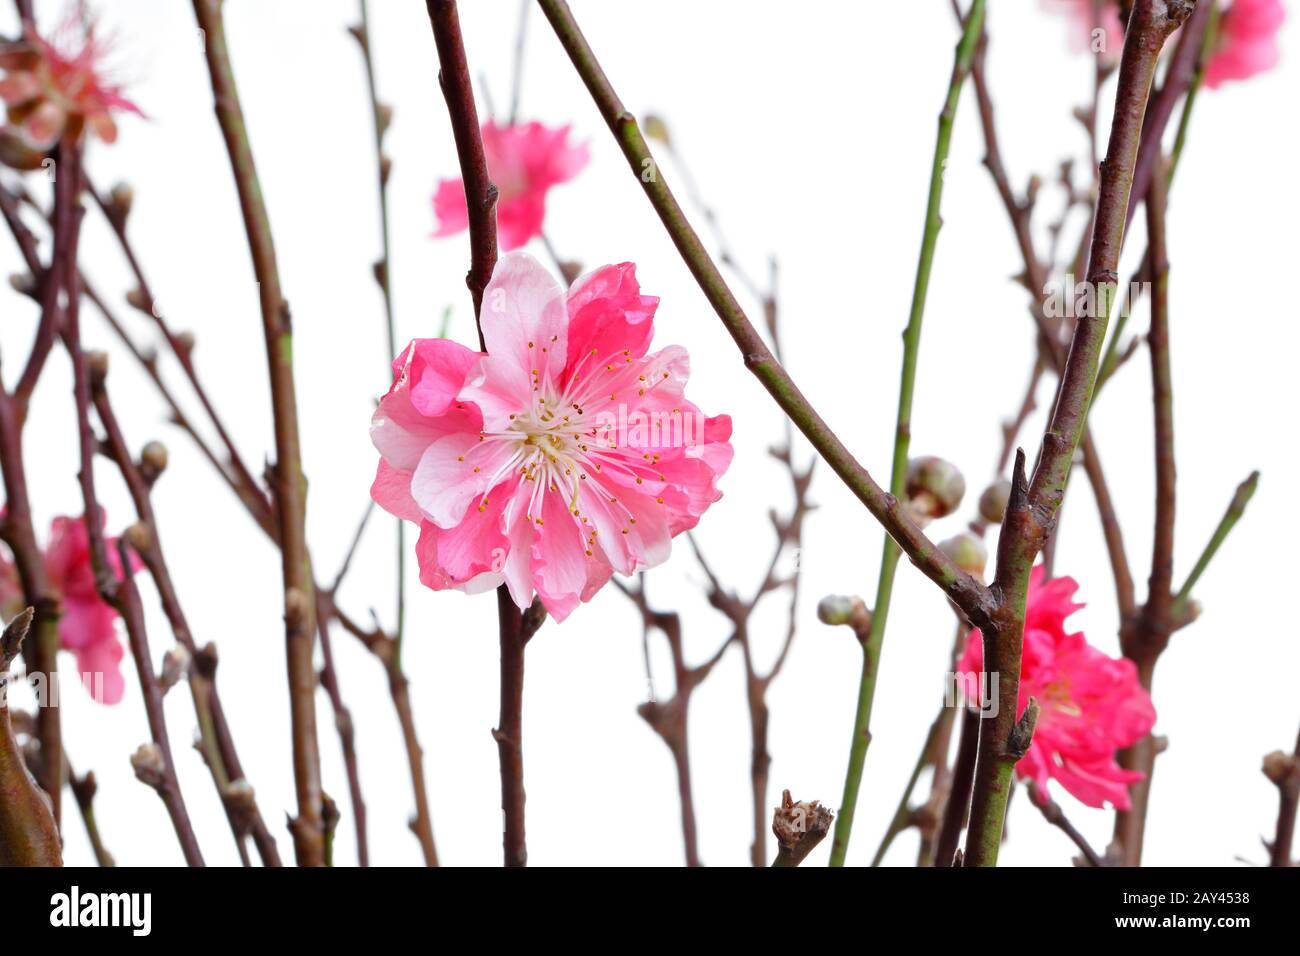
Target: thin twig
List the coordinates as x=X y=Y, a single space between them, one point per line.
x=1054 y=815
x=289 y=483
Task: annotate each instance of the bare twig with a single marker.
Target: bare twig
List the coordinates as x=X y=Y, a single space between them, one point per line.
x=289 y=483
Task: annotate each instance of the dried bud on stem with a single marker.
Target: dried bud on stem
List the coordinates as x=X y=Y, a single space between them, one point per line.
x=798 y=828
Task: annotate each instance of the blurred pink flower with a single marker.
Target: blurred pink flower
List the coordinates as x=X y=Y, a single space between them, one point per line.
x=1091 y=704
x=59 y=86
x=1246 y=43
x=1084 y=21
x=524 y=160
x=86 y=626
x=565 y=453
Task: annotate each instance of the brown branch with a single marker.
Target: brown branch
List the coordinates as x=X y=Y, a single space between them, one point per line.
x=216 y=741
x=233 y=469
x=29 y=835
x=1054 y=815
x=343 y=724
x=480 y=193
x=83 y=789
x=289 y=483
x=480 y=199
x=957 y=807
x=670 y=718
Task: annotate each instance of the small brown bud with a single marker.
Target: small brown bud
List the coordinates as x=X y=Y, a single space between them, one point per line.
x=137 y=299
x=383 y=117
x=968 y=553
x=934 y=487
x=1280 y=767
x=97 y=366
x=295 y=608
x=993 y=503
x=176 y=662
x=24 y=283
x=185 y=341
x=385 y=169
x=147 y=762
x=153 y=460
x=120 y=200
x=139 y=537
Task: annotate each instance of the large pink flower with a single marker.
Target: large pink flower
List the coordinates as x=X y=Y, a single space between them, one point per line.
x=566 y=452
x=1091 y=704
x=524 y=160
x=1246 y=43
x=60 y=86
x=87 y=626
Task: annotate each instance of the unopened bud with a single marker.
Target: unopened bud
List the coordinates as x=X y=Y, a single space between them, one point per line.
x=655 y=128
x=383 y=117
x=147 y=762
x=967 y=552
x=934 y=487
x=153 y=460
x=176 y=662
x=96 y=365
x=139 y=537
x=1280 y=766
x=24 y=282
x=295 y=608
x=993 y=503
x=845 y=609
x=120 y=200
x=137 y=299
x=185 y=341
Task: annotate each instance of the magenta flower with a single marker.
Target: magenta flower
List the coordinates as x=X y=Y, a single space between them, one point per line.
x=524 y=160
x=59 y=86
x=565 y=453
x=1246 y=43
x=1091 y=705
x=86 y=626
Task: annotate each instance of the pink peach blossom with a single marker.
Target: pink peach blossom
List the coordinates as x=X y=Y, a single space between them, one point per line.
x=1084 y=21
x=1246 y=42
x=58 y=86
x=1091 y=705
x=564 y=453
x=87 y=625
x=524 y=160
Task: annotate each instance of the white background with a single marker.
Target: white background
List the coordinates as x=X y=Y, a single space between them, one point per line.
x=812 y=135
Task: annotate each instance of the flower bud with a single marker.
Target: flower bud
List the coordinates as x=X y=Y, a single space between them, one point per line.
x=137 y=299
x=655 y=128
x=25 y=283
x=1279 y=766
x=967 y=552
x=845 y=609
x=185 y=341
x=96 y=365
x=175 y=663
x=993 y=503
x=147 y=762
x=139 y=537
x=934 y=487
x=119 y=203
x=153 y=460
